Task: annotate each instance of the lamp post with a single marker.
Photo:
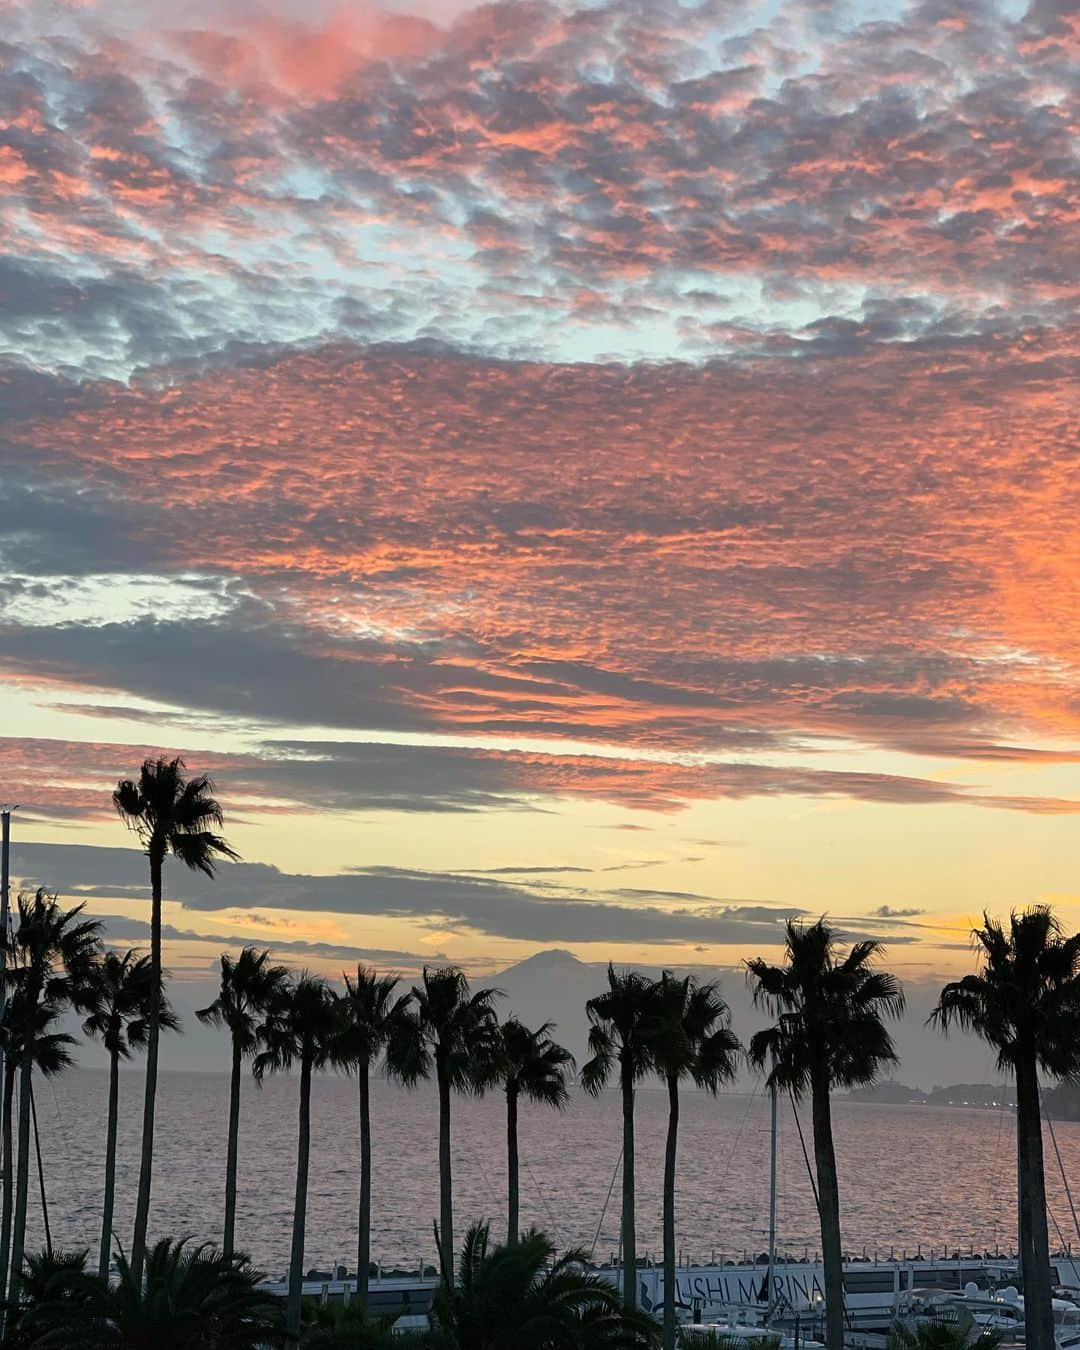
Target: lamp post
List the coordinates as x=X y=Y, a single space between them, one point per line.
x=5 y=908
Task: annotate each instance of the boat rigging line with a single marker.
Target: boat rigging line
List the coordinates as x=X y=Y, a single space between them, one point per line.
x=1061 y=1167
x=607 y=1201
x=806 y=1156
x=554 y=1227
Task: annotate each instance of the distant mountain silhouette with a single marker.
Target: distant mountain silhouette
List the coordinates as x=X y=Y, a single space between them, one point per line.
x=551 y=985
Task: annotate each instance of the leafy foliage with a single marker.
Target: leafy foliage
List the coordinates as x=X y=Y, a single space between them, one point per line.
x=940 y=1335
x=1025 y=1000
x=618 y=1032
x=119 y=995
x=371 y=1013
x=829 y=1009
x=448 y=1028
x=529 y=1063
x=689 y=1035
x=304 y=1025
x=191 y=1298
x=249 y=985
x=524 y=1297
x=174 y=814
x=52 y=954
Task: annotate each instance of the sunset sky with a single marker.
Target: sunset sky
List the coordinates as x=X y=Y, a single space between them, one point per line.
x=597 y=475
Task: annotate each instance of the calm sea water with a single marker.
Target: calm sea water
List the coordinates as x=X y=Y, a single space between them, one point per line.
x=910 y=1175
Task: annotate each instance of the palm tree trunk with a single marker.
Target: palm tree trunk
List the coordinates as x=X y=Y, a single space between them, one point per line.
x=22 y=1177
x=512 y=1188
x=828 y=1213
x=153 y=1032
x=629 y=1235
x=1023 y=1213
x=670 y=1153
x=296 y=1254
x=10 y=1066
x=229 y=1239
x=446 y=1192
x=1038 y=1308
x=363 y=1241
x=110 y=1166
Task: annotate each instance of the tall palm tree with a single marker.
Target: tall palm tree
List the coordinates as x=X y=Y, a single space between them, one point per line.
x=829 y=1033
x=303 y=1027
x=1025 y=1002
x=249 y=986
x=618 y=1039
x=371 y=1011
x=52 y=1055
x=523 y=1294
x=689 y=1037
x=169 y=813
x=50 y=959
x=529 y=1064
x=121 y=988
x=452 y=1030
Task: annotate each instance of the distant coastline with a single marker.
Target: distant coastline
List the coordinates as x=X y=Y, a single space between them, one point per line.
x=1061 y=1102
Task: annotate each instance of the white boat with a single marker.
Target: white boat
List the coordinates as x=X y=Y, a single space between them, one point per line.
x=978 y=1310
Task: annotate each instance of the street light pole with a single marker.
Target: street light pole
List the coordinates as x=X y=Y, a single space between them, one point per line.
x=5 y=909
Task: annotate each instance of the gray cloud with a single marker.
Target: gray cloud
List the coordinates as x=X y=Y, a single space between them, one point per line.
x=122 y=928
x=493 y=907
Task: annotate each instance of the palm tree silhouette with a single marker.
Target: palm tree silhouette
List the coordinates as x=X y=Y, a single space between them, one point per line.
x=529 y=1064
x=121 y=990
x=452 y=1030
x=249 y=986
x=52 y=1055
x=302 y=1027
x=50 y=960
x=524 y=1294
x=188 y=1296
x=170 y=814
x=618 y=1038
x=829 y=1033
x=689 y=1037
x=370 y=1013
x=1025 y=1002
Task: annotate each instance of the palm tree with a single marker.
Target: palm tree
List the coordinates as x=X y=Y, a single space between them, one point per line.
x=1025 y=1002
x=523 y=1294
x=50 y=958
x=52 y=1055
x=618 y=1037
x=829 y=1033
x=529 y=1064
x=170 y=814
x=689 y=1037
x=303 y=1026
x=122 y=989
x=191 y=1298
x=941 y=1336
x=452 y=1030
x=371 y=1012
x=249 y=986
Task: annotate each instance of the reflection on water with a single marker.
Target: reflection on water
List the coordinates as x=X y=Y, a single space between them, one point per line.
x=910 y=1175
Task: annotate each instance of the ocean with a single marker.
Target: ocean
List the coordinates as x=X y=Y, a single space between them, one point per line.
x=910 y=1175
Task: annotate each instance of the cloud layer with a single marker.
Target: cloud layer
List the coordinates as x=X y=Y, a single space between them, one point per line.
x=637 y=178
x=525 y=407
x=878 y=546
x=524 y=910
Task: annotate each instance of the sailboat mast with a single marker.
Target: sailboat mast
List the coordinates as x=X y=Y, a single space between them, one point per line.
x=772 y=1195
